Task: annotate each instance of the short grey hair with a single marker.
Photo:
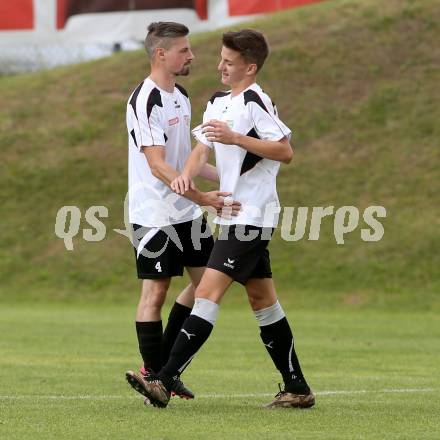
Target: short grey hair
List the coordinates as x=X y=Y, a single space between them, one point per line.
x=161 y=33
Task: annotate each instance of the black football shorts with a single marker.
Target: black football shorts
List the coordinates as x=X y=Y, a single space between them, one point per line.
x=164 y=252
x=241 y=252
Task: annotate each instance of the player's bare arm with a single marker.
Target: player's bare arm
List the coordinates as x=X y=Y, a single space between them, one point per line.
x=209 y=172
x=194 y=165
x=161 y=170
x=219 y=131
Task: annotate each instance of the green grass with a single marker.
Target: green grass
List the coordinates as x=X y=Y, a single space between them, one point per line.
x=358 y=84
x=62 y=376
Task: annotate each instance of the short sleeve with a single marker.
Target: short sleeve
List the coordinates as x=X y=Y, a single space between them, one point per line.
x=151 y=126
x=197 y=131
x=267 y=123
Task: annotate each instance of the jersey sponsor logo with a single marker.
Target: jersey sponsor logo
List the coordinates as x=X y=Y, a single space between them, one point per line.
x=173 y=121
x=230 y=122
x=229 y=263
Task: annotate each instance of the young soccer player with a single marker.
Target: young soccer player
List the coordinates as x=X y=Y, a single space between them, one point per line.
x=250 y=141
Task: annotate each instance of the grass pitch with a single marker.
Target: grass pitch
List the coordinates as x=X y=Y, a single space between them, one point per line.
x=375 y=373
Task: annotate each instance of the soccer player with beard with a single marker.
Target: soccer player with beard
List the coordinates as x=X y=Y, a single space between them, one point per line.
x=243 y=128
x=158 y=124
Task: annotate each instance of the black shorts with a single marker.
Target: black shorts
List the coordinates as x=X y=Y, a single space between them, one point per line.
x=161 y=257
x=241 y=256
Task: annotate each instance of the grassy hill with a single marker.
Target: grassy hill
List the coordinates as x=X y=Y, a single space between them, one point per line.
x=357 y=80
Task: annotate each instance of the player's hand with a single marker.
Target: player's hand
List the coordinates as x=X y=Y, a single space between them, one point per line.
x=181 y=184
x=219 y=131
x=223 y=203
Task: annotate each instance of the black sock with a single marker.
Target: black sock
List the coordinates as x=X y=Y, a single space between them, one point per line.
x=278 y=339
x=195 y=331
x=150 y=343
x=176 y=318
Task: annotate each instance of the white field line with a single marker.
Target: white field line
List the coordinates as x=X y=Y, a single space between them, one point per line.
x=216 y=396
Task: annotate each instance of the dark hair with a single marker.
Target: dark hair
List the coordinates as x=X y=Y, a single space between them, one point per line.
x=251 y=45
x=160 y=33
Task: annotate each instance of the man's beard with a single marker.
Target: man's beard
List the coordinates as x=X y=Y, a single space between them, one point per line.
x=183 y=72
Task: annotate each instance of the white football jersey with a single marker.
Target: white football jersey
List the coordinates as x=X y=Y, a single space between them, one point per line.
x=157 y=117
x=250 y=178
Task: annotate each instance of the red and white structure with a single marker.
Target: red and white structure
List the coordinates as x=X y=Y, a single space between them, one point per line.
x=90 y=28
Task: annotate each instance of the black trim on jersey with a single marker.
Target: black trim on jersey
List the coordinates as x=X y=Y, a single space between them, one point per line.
x=182 y=90
x=251 y=159
x=252 y=96
x=218 y=95
x=154 y=98
x=165 y=137
x=134 y=137
x=134 y=98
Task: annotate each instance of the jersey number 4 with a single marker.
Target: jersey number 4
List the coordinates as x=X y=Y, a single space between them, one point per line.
x=158 y=267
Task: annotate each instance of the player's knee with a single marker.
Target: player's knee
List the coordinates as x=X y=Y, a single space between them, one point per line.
x=257 y=303
x=204 y=292
x=201 y=292
x=256 y=299
x=155 y=301
x=154 y=296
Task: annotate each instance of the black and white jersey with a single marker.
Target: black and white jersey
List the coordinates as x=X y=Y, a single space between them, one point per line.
x=157 y=117
x=250 y=178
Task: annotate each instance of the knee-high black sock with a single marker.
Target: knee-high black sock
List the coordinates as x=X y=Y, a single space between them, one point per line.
x=176 y=318
x=193 y=334
x=278 y=339
x=150 y=343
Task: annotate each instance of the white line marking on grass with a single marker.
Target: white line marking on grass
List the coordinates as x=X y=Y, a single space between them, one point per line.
x=324 y=393
x=214 y=396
